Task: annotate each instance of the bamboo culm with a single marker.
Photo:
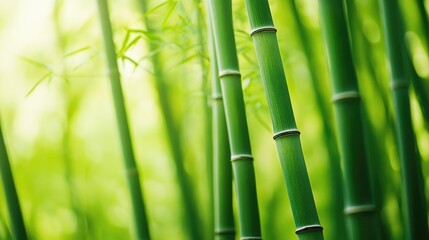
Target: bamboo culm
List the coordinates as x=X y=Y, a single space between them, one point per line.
x=413 y=194
x=335 y=177
x=15 y=214
x=222 y=172
x=286 y=134
x=220 y=12
x=361 y=213
x=132 y=174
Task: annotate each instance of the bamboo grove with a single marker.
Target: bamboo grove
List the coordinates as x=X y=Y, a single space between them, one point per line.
x=215 y=119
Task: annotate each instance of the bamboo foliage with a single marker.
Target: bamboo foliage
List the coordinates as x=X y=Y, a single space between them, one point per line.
x=222 y=172
x=413 y=196
x=286 y=134
x=15 y=214
x=220 y=12
x=360 y=209
x=132 y=173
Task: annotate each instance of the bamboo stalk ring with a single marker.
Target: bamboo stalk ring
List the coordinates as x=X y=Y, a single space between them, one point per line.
x=263 y=29
x=250 y=238
x=366 y=208
x=217 y=97
x=286 y=132
x=344 y=96
x=241 y=157
x=226 y=231
x=227 y=72
x=309 y=228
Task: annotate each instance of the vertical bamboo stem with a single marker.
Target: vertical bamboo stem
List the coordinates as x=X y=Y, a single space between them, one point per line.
x=360 y=209
x=413 y=196
x=242 y=160
x=205 y=90
x=286 y=134
x=222 y=172
x=335 y=177
x=132 y=174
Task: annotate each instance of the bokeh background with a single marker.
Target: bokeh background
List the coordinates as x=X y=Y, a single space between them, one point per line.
x=58 y=119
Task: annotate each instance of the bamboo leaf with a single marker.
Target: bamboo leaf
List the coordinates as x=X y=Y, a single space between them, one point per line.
x=172 y=7
x=83 y=49
x=43 y=78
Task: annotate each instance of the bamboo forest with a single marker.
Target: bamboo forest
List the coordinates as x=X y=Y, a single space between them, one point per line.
x=214 y=119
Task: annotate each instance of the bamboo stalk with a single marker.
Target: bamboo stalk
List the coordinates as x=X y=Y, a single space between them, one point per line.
x=360 y=208
x=191 y=216
x=286 y=134
x=222 y=173
x=336 y=194
x=242 y=160
x=15 y=214
x=132 y=173
x=413 y=196
x=208 y=119
x=376 y=151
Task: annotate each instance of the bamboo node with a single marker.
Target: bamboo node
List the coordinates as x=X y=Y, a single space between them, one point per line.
x=344 y=96
x=399 y=84
x=263 y=29
x=226 y=231
x=286 y=132
x=227 y=72
x=241 y=157
x=250 y=238
x=309 y=228
x=217 y=97
x=366 y=208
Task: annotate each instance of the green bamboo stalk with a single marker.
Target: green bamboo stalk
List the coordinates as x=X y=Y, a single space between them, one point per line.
x=360 y=208
x=335 y=178
x=222 y=172
x=132 y=173
x=413 y=197
x=15 y=214
x=192 y=218
x=374 y=138
x=208 y=133
x=286 y=134
x=220 y=12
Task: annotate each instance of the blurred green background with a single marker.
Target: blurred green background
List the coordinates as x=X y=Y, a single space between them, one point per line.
x=59 y=125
